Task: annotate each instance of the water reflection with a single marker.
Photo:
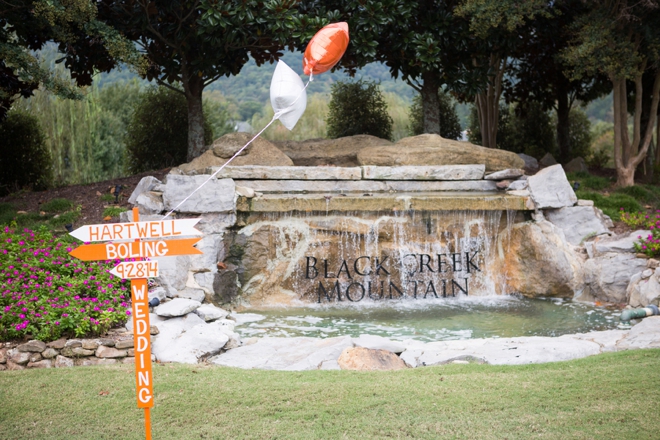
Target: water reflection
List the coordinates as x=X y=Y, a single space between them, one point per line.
x=433 y=319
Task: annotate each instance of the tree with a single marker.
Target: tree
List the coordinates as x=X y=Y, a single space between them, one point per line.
x=194 y=42
x=620 y=39
x=87 y=45
x=410 y=37
x=157 y=135
x=358 y=108
x=499 y=27
x=539 y=73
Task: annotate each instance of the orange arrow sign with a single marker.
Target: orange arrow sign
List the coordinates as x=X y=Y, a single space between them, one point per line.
x=136 y=249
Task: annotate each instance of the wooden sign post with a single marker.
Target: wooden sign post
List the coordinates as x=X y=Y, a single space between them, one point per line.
x=138 y=271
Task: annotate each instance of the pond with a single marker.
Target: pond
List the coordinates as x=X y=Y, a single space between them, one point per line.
x=432 y=320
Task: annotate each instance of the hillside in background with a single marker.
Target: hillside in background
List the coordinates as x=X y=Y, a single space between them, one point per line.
x=252 y=84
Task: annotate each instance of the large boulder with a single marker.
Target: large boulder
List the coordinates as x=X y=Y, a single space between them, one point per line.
x=607 y=277
x=539 y=261
x=579 y=222
x=192 y=344
x=340 y=152
x=646 y=334
x=285 y=353
x=550 y=188
x=644 y=288
x=367 y=359
x=259 y=152
x=218 y=194
x=431 y=149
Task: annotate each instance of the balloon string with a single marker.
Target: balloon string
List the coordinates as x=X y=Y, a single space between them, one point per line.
x=275 y=117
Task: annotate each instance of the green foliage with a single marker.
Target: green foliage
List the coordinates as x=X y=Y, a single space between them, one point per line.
x=579 y=133
x=650 y=243
x=588 y=181
x=113 y=211
x=641 y=193
x=611 y=205
x=532 y=131
x=358 y=107
x=450 y=127
x=217 y=118
x=66 y=218
x=89 y=46
x=157 y=136
x=57 y=205
x=24 y=158
x=86 y=137
x=45 y=295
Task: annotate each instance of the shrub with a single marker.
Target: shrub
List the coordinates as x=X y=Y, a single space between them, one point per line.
x=450 y=127
x=358 y=107
x=649 y=244
x=24 y=158
x=581 y=137
x=532 y=131
x=157 y=135
x=45 y=295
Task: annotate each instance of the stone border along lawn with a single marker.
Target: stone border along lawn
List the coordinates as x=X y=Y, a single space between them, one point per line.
x=189 y=339
x=613 y=395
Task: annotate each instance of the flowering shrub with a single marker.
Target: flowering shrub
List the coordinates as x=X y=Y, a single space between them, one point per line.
x=649 y=245
x=47 y=294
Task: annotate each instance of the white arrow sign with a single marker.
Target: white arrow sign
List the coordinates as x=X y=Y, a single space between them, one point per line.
x=136 y=269
x=135 y=230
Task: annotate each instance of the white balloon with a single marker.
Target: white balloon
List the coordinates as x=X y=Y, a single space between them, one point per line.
x=287 y=95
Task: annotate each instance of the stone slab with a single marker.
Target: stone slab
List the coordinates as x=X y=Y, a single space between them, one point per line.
x=621 y=243
x=293 y=354
x=505 y=351
x=379 y=202
x=365 y=186
x=439 y=172
x=215 y=196
x=255 y=172
x=508 y=174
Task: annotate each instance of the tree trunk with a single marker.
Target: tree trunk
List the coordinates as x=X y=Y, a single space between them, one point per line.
x=488 y=103
x=627 y=154
x=431 y=103
x=193 y=91
x=657 y=141
x=563 y=126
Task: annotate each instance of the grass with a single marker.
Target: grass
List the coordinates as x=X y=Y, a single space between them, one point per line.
x=613 y=395
x=107 y=197
x=55 y=214
x=57 y=205
x=587 y=181
x=611 y=204
x=113 y=211
x=611 y=199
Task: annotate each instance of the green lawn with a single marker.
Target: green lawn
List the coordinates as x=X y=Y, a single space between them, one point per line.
x=608 y=396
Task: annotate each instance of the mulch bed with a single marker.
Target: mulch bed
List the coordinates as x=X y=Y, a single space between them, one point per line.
x=87 y=196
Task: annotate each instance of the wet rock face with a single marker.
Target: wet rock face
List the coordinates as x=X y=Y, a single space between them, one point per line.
x=539 y=262
x=285 y=259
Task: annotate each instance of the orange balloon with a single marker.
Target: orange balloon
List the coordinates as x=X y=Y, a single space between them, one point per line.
x=326 y=48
